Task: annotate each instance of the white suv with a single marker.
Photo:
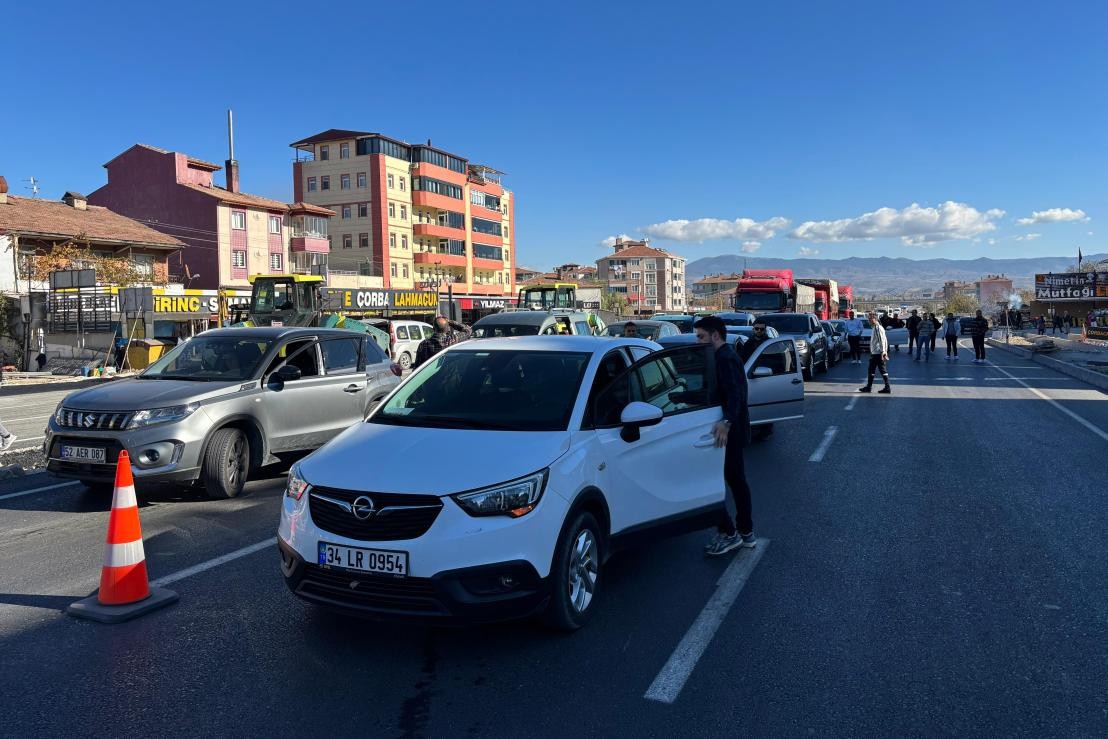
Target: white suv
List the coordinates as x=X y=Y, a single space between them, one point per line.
x=539 y=457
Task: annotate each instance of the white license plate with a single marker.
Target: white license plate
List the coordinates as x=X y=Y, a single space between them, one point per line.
x=84 y=453
x=380 y=561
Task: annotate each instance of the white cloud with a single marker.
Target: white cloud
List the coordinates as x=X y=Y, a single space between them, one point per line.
x=704 y=229
x=914 y=225
x=1028 y=237
x=749 y=247
x=609 y=242
x=1090 y=233
x=806 y=252
x=993 y=242
x=1054 y=215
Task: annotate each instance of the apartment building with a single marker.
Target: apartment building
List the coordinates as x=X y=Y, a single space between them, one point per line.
x=652 y=279
x=412 y=215
x=993 y=290
x=228 y=235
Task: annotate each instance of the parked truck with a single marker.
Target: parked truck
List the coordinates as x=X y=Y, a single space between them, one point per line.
x=827 y=296
x=846 y=300
x=772 y=291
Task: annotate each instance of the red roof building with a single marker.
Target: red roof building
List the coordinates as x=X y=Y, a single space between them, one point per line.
x=653 y=280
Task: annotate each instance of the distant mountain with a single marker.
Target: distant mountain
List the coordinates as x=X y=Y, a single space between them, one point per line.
x=879 y=275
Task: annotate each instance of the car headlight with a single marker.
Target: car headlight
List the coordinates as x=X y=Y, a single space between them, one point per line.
x=801 y=344
x=58 y=414
x=151 y=416
x=297 y=485
x=516 y=498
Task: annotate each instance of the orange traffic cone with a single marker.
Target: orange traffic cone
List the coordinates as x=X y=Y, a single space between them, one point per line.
x=124 y=586
x=123 y=578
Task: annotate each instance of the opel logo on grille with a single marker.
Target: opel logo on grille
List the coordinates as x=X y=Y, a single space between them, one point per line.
x=362 y=508
x=89 y=420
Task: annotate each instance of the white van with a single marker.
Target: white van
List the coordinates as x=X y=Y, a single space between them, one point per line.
x=404 y=338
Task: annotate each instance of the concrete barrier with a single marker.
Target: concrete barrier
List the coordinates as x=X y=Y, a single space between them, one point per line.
x=1091 y=377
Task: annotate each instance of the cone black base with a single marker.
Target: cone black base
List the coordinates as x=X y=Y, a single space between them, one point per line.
x=93 y=610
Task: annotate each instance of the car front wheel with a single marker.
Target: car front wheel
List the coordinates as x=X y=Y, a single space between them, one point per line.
x=226 y=464
x=575 y=575
x=405 y=361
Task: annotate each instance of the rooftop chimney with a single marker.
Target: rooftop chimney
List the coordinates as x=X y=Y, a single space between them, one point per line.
x=231 y=165
x=75 y=200
x=3 y=191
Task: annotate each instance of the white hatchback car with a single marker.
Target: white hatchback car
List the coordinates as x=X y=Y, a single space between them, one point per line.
x=540 y=456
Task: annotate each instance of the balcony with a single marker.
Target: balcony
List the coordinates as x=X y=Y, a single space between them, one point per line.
x=427 y=199
x=487 y=239
x=440 y=258
x=490 y=289
x=438 y=231
x=493 y=265
x=310 y=243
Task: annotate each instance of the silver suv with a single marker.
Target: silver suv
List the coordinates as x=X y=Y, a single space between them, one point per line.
x=221 y=405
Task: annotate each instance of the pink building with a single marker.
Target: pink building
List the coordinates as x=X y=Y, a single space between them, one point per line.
x=228 y=234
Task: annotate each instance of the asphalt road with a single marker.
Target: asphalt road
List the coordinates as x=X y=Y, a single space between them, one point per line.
x=939 y=570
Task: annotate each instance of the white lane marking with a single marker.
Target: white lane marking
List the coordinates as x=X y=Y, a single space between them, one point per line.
x=672 y=677
x=26 y=418
x=1087 y=424
x=204 y=566
x=850 y=405
x=38 y=490
x=22 y=441
x=828 y=437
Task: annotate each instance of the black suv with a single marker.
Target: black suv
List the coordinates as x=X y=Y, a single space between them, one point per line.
x=811 y=341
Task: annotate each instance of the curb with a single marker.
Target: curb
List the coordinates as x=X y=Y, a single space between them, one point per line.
x=1096 y=379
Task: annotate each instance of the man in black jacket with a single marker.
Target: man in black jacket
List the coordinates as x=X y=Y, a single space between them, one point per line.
x=978 y=327
x=732 y=433
x=447 y=333
x=913 y=330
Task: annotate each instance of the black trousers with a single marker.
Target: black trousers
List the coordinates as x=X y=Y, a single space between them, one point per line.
x=934 y=335
x=855 y=346
x=734 y=474
x=877 y=364
x=952 y=346
x=913 y=340
x=978 y=347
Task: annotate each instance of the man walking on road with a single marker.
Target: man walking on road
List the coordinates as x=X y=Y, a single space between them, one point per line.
x=913 y=331
x=854 y=337
x=760 y=337
x=935 y=323
x=950 y=330
x=878 y=356
x=732 y=433
x=979 y=326
x=924 y=338
x=447 y=333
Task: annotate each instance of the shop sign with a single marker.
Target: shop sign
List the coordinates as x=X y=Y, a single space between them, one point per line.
x=1068 y=286
x=382 y=299
x=195 y=303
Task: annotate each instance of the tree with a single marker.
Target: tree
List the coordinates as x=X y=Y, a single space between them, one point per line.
x=1026 y=296
x=76 y=254
x=961 y=304
x=614 y=301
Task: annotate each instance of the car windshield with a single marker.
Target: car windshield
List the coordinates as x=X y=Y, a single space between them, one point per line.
x=759 y=301
x=642 y=331
x=787 y=324
x=492 y=390
x=505 y=329
x=684 y=324
x=211 y=358
x=743 y=320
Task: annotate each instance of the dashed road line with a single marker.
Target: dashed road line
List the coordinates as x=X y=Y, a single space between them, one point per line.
x=828 y=437
x=204 y=566
x=680 y=665
x=850 y=405
x=1087 y=424
x=21 y=493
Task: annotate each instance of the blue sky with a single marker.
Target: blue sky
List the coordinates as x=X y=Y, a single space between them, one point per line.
x=847 y=129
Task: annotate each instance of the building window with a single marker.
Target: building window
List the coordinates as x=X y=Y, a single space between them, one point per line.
x=363 y=241
x=345 y=212
x=311 y=184
x=361 y=180
x=500 y=277
x=391 y=184
x=392 y=210
x=636 y=275
x=238 y=220
x=274 y=262
x=363 y=210
x=651 y=277
x=392 y=240
x=403 y=241
x=144 y=265
x=393 y=270
x=344 y=151
x=344 y=182
x=324 y=152
x=238 y=259
x=403 y=212
x=405 y=270
x=650 y=264
x=347 y=241
x=428 y=184
x=275 y=224
x=325 y=182
x=403 y=184
x=490 y=228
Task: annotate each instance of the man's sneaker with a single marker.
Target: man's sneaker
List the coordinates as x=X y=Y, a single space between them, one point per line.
x=955 y=357
x=713 y=542
x=866 y=389
x=885 y=390
x=724 y=544
x=749 y=542
x=948 y=357
x=7 y=441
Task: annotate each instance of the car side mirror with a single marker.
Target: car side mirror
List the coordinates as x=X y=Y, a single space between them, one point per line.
x=288 y=373
x=761 y=372
x=635 y=416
